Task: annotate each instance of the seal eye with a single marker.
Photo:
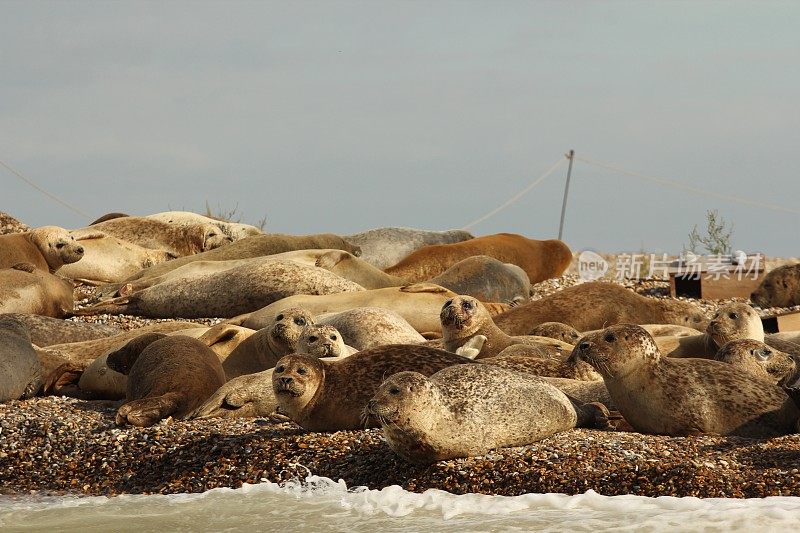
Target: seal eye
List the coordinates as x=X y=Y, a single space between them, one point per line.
x=333 y=337
x=300 y=321
x=394 y=391
x=610 y=337
x=733 y=316
x=467 y=305
x=280 y=369
x=313 y=338
x=764 y=354
x=301 y=370
x=60 y=245
x=279 y=318
x=448 y=303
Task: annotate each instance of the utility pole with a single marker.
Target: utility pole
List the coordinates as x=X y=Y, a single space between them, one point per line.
x=570 y=156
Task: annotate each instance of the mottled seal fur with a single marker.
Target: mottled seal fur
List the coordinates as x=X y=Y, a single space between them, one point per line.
x=226 y=294
x=167 y=376
x=467 y=410
x=541 y=260
x=558 y=331
x=20 y=370
x=595 y=305
x=463 y=317
x=761 y=360
x=677 y=397
x=47 y=248
x=779 y=288
x=384 y=247
x=366 y=327
x=46 y=331
x=330 y=396
x=234 y=230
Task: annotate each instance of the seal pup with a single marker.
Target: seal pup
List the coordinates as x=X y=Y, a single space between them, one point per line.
x=234 y=230
x=255 y=246
x=47 y=248
x=595 y=305
x=540 y=260
x=761 y=360
x=419 y=304
x=331 y=395
x=167 y=376
x=147 y=233
x=226 y=294
x=468 y=410
x=779 y=288
x=558 y=331
x=262 y=349
x=463 y=317
x=323 y=341
x=47 y=331
x=107 y=259
x=679 y=397
x=366 y=327
x=384 y=247
x=28 y=290
x=20 y=370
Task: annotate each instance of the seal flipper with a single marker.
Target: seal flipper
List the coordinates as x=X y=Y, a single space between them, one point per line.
x=591 y=415
x=424 y=287
x=148 y=411
x=331 y=259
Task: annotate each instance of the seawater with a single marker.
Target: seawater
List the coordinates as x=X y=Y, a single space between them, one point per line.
x=320 y=504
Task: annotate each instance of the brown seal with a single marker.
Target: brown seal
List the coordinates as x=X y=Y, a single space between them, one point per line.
x=384 y=247
x=330 y=396
x=234 y=230
x=323 y=341
x=541 y=260
x=779 y=288
x=226 y=294
x=148 y=233
x=47 y=248
x=558 y=331
x=20 y=370
x=47 y=331
x=464 y=317
x=366 y=327
x=761 y=360
x=107 y=259
x=250 y=247
x=595 y=305
x=29 y=290
x=677 y=397
x=167 y=376
x=262 y=350
x=468 y=410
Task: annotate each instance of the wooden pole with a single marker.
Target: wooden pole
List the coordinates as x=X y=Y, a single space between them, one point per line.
x=570 y=156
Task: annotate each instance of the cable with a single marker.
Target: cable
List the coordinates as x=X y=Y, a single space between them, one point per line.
x=49 y=195
x=516 y=197
x=683 y=186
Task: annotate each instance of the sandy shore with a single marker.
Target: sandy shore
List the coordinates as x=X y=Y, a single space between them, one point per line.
x=61 y=445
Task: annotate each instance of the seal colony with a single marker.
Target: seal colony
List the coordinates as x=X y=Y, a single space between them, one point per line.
x=539 y=376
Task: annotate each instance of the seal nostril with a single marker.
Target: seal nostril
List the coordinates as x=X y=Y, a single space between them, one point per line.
x=285 y=380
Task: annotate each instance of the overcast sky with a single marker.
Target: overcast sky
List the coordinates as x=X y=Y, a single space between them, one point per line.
x=343 y=116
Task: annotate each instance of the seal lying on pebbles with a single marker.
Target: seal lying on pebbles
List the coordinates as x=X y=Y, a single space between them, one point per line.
x=467 y=410
x=29 y=290
x=226 y=294
x=245 y=396
x=234 y=230
x=323 y=341
x=383 y=247
x=47 y=248
x=541 y=260
x=595 y=305
x=760 y=360
x=20 y=370
x=330 y=396
x=779 y=288
x=262 y=349
x=46 y=331
x=678 y=397
x=464 y=317
x=249 y=247
x=419 y=304
x=366 y=327
x=167 y=376
x=148 y=233
x=107 y=259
